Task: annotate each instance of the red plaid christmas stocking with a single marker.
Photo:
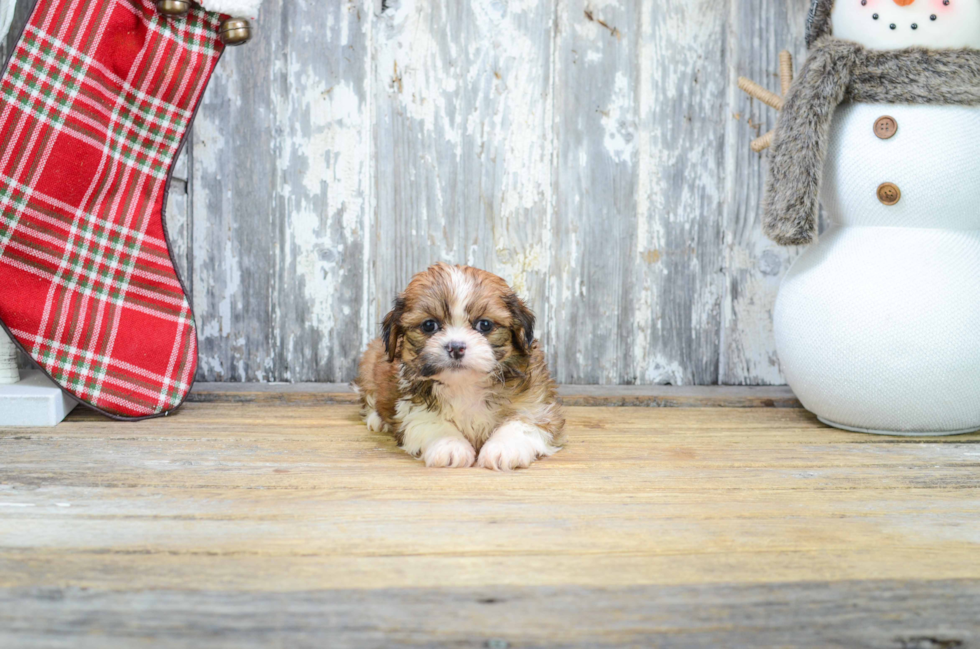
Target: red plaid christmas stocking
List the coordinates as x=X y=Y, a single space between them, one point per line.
x=95 y=103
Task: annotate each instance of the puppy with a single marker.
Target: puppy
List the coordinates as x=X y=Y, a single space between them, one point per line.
x=457 y=376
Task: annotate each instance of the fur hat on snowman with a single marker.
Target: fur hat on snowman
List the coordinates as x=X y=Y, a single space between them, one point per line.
x=870 y=51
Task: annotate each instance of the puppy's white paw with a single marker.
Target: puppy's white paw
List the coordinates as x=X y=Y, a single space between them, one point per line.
x=375 y=423
x=449 y=453
x=514 y=445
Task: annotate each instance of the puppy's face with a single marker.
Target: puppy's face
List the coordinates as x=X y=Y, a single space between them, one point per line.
x=454 y=322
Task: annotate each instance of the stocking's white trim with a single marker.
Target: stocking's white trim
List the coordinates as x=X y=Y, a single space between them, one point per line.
x=237 y=8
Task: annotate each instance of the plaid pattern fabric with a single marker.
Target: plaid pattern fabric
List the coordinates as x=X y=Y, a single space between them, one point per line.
x=94 y=104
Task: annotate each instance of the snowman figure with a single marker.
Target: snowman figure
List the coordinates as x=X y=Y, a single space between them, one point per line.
x=877 y=325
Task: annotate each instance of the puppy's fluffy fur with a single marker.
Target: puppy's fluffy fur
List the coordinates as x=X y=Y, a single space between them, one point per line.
x=457 y=376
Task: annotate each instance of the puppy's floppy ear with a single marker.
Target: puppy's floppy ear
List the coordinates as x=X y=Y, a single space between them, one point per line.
x=391 y=327
x=523 y=325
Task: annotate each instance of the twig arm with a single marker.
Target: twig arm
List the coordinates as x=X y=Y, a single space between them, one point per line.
x=752 y=89
x=785 y=71
x=760 y=144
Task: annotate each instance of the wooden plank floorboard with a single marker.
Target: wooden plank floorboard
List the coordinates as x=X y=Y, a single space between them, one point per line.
x=635 y=396
x=886 y=614
x=285 y=523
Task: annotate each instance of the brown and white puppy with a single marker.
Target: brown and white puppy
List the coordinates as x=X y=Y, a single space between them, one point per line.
x=457 y=376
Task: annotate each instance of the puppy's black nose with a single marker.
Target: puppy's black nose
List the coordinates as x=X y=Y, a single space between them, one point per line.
x=456 y=350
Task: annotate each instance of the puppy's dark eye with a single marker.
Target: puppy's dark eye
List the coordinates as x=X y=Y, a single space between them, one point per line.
x=484 y=326
x=430 y=327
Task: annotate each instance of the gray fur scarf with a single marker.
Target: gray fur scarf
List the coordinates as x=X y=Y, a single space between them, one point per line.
x=836 y=71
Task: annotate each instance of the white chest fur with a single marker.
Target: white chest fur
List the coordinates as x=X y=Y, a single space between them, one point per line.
x=465 y=404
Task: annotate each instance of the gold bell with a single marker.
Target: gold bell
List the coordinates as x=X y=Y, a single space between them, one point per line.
x=236 y=31
x=173 y=7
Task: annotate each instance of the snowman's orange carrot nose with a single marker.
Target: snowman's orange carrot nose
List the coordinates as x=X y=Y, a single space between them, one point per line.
x=903 y=3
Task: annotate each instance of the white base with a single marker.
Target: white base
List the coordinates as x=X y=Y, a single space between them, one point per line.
x=876 y=327
x=234 y=8
x=905 y=433
x=34 y=402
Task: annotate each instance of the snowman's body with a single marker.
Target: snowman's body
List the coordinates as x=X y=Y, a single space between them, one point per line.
x=878 y=325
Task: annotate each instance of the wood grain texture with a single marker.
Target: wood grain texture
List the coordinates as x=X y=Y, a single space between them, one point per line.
x=753 y=265
x=596 y=120
x=633 y=396
x=281 y=524
x=178 y=220
x=679 y=282
x=237 y=211
x=464 y=142
x=280 y=198
x=844 y=615
x=594 y=153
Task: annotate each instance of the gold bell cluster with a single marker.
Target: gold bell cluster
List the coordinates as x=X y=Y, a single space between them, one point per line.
x=233 y=31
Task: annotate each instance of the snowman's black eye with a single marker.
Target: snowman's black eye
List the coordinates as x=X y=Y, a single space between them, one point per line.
x=864 y=3
x=946 y=3
x=932 y=17
x=914 y=26
x=875 y=16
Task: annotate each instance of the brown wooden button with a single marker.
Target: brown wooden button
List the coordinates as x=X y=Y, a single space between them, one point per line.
x=886 y=127
x=889 y=193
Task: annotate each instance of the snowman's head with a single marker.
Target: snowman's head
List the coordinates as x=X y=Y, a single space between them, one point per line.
x=897 y=24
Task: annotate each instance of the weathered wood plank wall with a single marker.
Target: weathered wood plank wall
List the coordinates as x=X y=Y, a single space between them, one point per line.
x=593 y=152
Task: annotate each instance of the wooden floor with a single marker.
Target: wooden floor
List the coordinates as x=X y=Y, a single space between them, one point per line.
x=285 y=523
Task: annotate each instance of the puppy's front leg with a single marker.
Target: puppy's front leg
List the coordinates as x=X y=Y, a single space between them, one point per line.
x=515 y=445
x=426 y=435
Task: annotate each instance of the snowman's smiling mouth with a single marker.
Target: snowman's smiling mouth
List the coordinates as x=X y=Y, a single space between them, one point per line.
x=894 y=25
x=914 y=26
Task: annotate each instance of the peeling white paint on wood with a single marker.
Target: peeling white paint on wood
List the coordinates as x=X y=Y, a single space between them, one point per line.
x=595 y=153
x=752 y=265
